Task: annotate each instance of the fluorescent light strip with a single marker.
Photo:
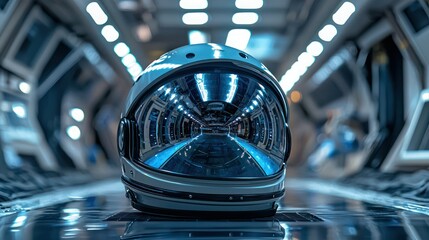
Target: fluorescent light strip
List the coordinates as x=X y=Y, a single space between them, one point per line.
x=193 y=4
x=195 y=18
x=245 y=18
x=249 y=4
x=343 y=13
x=110 y=33
x=328 y=32
x=196 y=37
x=97 y=14
x=238 y=38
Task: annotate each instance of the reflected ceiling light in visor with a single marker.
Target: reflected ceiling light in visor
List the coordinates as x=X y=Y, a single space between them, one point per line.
x=207 y=137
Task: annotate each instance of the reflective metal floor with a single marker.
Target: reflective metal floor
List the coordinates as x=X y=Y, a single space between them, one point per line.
x=303 y=214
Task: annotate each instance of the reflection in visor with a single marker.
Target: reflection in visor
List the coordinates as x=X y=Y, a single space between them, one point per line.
x=212 y=124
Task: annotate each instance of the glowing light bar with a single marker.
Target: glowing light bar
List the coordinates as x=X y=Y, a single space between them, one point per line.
x=73 y=132
x=306 y=59
x=245 y=18
x=196 y=37
x=327 y=33
x=129 y=60
x=24 y=87
x=77 y=114
x=315 y=48
x=195 y=18
x=249 y=4
x=200 y=83
x=255 y=103
x=193 y=4
x=233 y=88
x=110 y=33
x=238 y=38
x=97 y=14
x=343 y=13
x=121 y=49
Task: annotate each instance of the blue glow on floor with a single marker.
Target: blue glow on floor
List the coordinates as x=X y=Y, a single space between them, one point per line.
x=160 y=158
x=267 y=164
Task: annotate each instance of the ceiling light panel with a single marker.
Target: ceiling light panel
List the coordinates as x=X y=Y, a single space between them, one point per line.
x=195 y=18
x=245 y=18
x=193 y=4
x=197 y=37
x=238 y=38
x=249 y=4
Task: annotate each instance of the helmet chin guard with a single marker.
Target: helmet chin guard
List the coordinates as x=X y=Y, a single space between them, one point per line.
x=204 y=133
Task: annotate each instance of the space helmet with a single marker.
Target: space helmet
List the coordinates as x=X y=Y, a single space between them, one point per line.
x=205 y=133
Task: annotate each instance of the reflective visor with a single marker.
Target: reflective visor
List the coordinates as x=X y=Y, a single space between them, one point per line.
x=213 y=124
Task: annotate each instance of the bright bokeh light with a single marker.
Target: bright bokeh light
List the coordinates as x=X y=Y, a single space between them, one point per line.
x=238 y=38
x=249 y=4
x=295 y=96
x=306 y=59
x=19 y=110
x=121 y=49
x=77 y=114
x=245 y=18
x=129 y=60
x=315 y=48
x=135 y=70
x=73 y=132
x=195 y=18
x=197 y=37
x=343 y=13
x=299 y=68
x=24 y=87
x=110 y=33
x=193 y=4
x=96 y=12
x=328 y=32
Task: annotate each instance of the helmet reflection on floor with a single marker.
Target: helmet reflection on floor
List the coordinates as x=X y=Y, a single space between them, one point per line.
x=205 y=132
